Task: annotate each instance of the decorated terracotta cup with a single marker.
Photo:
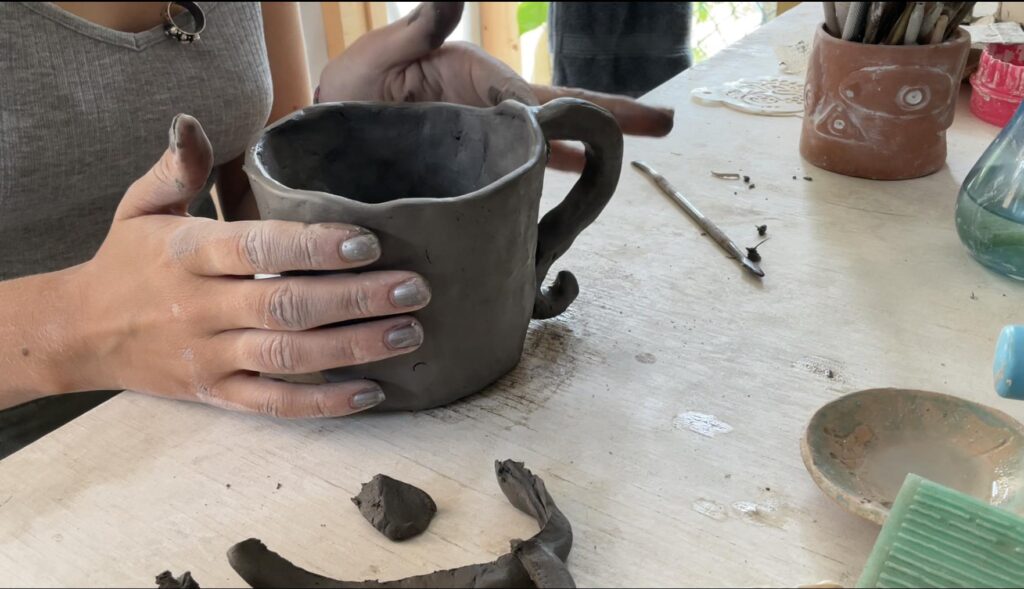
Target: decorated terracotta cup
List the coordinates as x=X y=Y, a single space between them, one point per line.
x=880 y=111
x=453 y=193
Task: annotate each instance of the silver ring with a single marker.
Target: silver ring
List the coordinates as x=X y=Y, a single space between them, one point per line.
x=181 y=35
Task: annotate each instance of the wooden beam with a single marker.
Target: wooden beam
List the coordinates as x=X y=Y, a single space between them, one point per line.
x=781 y=7
x=377 y=14
x=499 y=32
x=344 y=22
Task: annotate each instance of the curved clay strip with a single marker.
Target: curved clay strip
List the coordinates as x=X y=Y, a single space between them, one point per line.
x=546 y=570
x=260 y=567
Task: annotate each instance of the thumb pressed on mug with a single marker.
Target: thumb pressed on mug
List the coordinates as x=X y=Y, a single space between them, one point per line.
x=187 y=320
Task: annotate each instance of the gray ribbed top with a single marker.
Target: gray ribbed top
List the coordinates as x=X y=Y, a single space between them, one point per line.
x=84 y=111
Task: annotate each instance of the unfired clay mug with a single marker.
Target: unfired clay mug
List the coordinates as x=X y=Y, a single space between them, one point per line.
x=880 y=111
x=453 y=193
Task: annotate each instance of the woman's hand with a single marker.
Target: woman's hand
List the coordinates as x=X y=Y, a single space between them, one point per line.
x=408 y=61
x=169 y=307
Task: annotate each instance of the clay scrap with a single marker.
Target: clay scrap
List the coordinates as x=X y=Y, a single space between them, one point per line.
x=167 y=580
x=398 y=510
x=537 y=562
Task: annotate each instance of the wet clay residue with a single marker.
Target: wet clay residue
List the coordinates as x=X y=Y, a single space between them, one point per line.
x=166 y=580
x=646 y=358
x=701 y=423
x=537 y=562
x=398 y=510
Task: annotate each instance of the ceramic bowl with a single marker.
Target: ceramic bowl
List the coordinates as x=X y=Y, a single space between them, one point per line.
x=860 y=447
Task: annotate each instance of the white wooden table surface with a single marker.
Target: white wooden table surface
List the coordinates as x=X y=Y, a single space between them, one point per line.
x=864 y=279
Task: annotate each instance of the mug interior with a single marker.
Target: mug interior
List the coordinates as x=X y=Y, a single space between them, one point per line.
x=376 y=153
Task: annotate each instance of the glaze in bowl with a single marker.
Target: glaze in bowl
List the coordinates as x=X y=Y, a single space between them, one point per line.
x=860 y=447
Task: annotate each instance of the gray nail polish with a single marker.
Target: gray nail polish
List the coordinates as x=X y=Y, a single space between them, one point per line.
x=366 y=399
x=411 y=293
x=361 y=248
x=406 y=336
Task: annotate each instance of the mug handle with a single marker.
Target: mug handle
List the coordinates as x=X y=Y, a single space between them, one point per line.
x=574 y=119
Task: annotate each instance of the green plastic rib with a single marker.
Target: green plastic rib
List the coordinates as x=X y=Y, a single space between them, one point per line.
x=937 y=537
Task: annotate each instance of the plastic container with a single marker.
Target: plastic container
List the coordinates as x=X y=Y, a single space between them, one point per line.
x=998 y=83
x=990 y=208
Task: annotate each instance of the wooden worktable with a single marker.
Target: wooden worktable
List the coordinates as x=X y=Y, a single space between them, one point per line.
x=867 y=285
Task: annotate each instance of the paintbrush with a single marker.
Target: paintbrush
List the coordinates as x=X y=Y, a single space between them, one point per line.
x=831 y=19
x=895 y=36
x=958 y=17
x=854 y=27
x=893 y=12
x=875 y=13
x=931 y=17
x=914 y=23
x=939 y=31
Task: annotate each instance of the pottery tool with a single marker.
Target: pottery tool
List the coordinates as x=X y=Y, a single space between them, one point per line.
x=875 y=13
x=954 y=21
x=710 y=228
x=854 y=27
x=939 y=31
x=914 y=23
x=896 y=34
x=831 y=20
x=938 y=537
x=931 y=17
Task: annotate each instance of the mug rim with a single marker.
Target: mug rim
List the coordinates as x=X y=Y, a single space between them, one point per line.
x=960 y=37
x=257 y=172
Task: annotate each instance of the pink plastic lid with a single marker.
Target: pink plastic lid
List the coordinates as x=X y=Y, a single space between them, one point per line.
x=998 y=83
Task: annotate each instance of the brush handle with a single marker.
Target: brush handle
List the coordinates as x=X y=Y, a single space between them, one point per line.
x=940 y=30
x=914 y=24
x=855 y=20
x=931 y=17
x=831 y=19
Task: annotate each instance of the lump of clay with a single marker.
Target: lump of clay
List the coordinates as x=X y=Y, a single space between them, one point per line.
x=398 y=510
x=537 y=562
x=166 y=580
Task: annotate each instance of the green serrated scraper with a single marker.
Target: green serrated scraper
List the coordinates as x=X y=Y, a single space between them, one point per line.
x=937 y=537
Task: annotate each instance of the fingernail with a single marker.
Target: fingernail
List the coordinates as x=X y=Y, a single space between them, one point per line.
x=172 y=134
x=361 y=248
x=406 y=336
x=366 y=399
x=411 y=293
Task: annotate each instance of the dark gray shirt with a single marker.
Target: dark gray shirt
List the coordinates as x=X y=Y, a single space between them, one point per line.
x=619 y=47
x=84 y=111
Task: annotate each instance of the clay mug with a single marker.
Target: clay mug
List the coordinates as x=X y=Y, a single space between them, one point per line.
x=453 y=193
x=880 y=111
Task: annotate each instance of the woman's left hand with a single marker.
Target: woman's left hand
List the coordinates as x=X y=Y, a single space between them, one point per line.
x=408 y=61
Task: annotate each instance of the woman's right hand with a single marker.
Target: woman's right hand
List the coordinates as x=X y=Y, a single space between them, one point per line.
x=169 y=307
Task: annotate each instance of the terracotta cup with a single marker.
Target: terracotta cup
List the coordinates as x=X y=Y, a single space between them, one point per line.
x=880 y=111
x=453 y=193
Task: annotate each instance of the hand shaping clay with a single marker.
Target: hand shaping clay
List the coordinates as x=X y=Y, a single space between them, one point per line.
x=453 y=193
x=398 y=510
x=166 y=580
x=537 y=562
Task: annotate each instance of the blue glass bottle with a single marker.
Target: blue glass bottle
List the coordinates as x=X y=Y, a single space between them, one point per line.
x=990 y=209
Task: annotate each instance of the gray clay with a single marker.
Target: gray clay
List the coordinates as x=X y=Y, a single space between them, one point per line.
x=398 y=510
x=167 y=580
x=537 y=562
x=453 y=192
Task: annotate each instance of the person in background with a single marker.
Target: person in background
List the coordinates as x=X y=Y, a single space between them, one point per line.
x=107 y=282
x=625 y=48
